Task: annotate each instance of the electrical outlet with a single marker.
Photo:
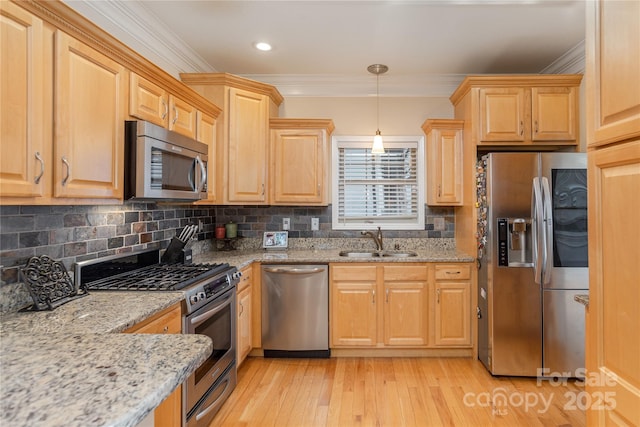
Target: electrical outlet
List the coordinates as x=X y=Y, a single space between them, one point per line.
x=315 y=224
x=286 y=223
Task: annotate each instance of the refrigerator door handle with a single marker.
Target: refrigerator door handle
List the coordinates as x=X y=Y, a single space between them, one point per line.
x=536 y=224
x=547 y=232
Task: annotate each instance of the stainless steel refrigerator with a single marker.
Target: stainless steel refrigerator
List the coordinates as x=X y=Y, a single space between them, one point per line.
x=532 y=249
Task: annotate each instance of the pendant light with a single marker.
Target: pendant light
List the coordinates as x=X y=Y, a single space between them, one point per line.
x=377 y=69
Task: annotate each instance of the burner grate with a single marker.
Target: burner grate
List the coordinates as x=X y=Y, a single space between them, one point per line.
x=161 y=277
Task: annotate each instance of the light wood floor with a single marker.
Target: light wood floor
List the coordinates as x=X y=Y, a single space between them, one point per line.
x=393 y=392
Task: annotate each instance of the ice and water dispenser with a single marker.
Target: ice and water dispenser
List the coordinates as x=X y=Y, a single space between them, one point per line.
x=515 y=242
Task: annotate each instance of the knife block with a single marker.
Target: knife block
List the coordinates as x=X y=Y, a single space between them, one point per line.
x=174 y=252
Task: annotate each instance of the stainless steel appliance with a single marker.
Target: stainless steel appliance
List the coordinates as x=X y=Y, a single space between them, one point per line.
x=295 y=310
x=532 y=231
x=210 y=302
x=163 y=165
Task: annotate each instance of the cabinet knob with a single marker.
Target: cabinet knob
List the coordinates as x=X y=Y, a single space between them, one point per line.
x=165 y=329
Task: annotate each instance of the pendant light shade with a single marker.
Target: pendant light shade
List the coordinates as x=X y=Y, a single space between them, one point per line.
x=377 y=69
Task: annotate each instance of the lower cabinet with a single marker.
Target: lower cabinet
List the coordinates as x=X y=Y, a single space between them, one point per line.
x=408 y=305
x=243 y=313
x=168 y=321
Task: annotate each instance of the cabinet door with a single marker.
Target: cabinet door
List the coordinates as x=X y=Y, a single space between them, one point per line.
x=148 y=101
x=90 y=112
x=169 y=321
x=244 y=307
x=452 y=316
x=298 y=167
x=613 y=67
x=207 y=135
x=247 y=146
x=444 y=167
x=554 y=114
x=22 y=100
x=182 y=117
x=613 y=320
x=353 y=316
x=503 y=115
x=405 y=313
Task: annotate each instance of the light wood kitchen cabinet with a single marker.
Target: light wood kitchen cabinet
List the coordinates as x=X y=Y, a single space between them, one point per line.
x=206 y=133
x=613 y=168
x=525 y=115
x=90 y=105
x=452 y=316
x=242 y=134
x=444 y=161
x=381 y=305
x=243 y=312
x=353 y=311
x=168 y=321
x=299 y=161
x=520 y=111
x=406 y=310
x=25 y=152
x=151 y=102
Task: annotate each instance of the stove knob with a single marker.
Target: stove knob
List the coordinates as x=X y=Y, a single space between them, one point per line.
x=237 y=275
x=194 y=299
x=202 y=295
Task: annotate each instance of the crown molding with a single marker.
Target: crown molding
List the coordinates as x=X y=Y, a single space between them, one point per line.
x=134 y=25
x=571 y=62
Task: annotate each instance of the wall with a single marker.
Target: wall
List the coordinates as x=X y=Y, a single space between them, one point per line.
x=357 y=116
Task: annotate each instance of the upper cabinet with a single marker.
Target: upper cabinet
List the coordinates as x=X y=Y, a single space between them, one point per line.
x=25 y=156
x=299 y=161
x=90 y=101
x=65 y=89
x=444 y=161
x=521 y=112
x=149 y=101
x=242 y=134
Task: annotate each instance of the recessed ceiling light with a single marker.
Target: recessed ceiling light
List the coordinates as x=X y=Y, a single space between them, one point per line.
x=263 y=46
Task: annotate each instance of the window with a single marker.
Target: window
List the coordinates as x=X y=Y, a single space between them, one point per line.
x=371 y=190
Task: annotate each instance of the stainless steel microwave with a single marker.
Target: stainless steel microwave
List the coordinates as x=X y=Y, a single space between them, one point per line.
x=163 y=165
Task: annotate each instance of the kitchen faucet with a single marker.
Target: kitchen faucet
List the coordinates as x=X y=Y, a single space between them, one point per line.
x=377 y=237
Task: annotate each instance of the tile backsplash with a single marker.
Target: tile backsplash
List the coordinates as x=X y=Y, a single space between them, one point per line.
x=76 y=233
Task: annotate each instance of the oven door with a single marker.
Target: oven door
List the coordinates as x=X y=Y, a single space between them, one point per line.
x=217 y=320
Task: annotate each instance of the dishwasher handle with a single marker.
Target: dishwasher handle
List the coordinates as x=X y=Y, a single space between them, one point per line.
x=293 y=270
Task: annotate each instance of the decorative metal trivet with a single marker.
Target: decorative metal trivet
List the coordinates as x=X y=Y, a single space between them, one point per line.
x=49 y=283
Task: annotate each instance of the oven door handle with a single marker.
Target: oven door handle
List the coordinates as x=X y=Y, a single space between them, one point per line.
x=204 y=316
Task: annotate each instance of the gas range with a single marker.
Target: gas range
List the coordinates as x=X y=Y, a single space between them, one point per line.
x=142 y=271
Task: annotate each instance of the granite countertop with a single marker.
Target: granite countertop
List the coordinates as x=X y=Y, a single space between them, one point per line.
x=241 y=259
x=70 y=366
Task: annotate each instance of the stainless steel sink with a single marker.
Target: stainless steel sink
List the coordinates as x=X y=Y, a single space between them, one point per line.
x=359 y=254
x=373 y=254
x=397 y=254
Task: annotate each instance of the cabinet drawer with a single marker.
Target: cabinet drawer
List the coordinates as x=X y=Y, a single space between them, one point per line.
x=405 y=272
x=245 y=279
x=168 y=321
x=453 y=271
x=348 y=272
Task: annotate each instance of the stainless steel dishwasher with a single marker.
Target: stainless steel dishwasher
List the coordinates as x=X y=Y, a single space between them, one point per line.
x=295 y=310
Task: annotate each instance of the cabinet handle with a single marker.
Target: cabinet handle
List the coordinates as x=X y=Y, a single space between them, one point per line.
x=66 y=178
x=439 y=190
x=438 y=296
x=521 y=128
x=535 y=126
x=166 y=109
x=374 y=296
x=39 y=158
x=241 y=309
x=387 y=295
x=175 y=117
x=452 y=272
x=263 y=188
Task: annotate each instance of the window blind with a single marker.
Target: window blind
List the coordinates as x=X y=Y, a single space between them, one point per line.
x=378 y=187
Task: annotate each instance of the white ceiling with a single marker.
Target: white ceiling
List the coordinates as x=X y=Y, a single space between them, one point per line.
x=323 y=48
